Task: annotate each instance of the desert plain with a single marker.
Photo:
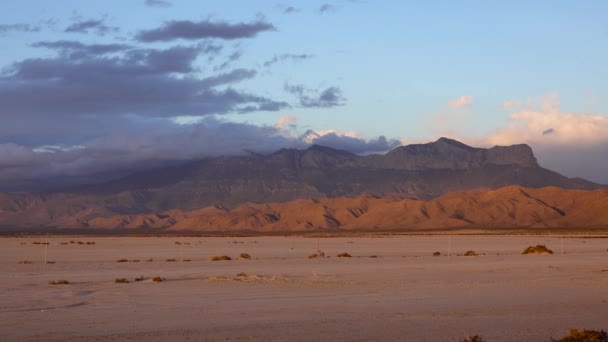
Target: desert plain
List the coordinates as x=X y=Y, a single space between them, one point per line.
x=391 y=288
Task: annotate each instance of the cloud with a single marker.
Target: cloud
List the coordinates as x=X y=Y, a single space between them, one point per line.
x=290 y=9
x=325 y=8
x=96 y=26
x=463 y=101
x=6 y=28
x=572 y=143
x=189 y=30
x=287 y=56
x=158 y=3
x=510 y=104
x=329 y=97
x=78 y=92
x=233 y=57
x=133 y=146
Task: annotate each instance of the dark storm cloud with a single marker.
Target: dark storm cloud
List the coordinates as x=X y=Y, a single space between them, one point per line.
x=6 y=28
x=329 y=97
x=96 y=26
x=77 y=93
x=286 y=56
x=158 y=3
x=133 y=146
x=190 y=30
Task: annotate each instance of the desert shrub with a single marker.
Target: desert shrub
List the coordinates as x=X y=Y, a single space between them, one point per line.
x=135 y=260
x=158 y=279
x=538 y=249
x=245 y=256
x=344 y=255
x=242 y=274
x=25 y=262
x=437 y=254
x=58 y=282
x=50 y=262
x=474 y=338
x=121 y=280
x=220 y=258
x=150 y=260
x=140 y=278
x=470 y=253
x=122 y=260
x=90 y=243
x=373 y=256
x=317 y=255
x=171 y=260
x=584 y=336
x=186 y=260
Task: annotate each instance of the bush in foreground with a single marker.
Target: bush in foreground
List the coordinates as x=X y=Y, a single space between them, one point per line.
x=58 y=282
x=538 y=249
x=436 y=254
x=344 y=255
x=245 y=256
x=220 y=258
x=584 y=336
x=474 y=338
x=317 y=255
x=158 y=279
x=470 y=253
x=121 y=281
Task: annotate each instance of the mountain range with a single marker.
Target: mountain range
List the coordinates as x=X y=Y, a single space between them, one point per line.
x=260 y=192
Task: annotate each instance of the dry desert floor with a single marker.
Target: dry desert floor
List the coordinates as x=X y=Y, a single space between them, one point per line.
x=392 y=288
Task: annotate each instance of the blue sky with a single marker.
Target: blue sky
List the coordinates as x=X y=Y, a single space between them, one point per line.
x=391 y=69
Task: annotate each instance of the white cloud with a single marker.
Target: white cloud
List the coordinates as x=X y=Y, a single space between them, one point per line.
x=463 y=101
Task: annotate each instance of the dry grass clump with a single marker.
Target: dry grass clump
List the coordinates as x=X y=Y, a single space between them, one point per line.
x=245 y=256
x=437 y=254
x=150 y=260
x=158 y=279
x=538 y=249
x=58 y=282
x=584 y=336
x=140 y=278
x=344 y=255
x=242 y=274
x=50 y=262
x=373 y=256
x=317 y=255
x=39 y=243
x=122 y=260
x=474 y=338
x=171 y=260
x=470 y=253
x=121 y=281
x=25 y=262
x=220 y=258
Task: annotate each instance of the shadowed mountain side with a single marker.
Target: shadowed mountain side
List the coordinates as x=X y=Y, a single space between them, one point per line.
x=422 y=171
x=513 y=206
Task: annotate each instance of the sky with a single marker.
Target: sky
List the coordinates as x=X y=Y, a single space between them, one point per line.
x=92 y=90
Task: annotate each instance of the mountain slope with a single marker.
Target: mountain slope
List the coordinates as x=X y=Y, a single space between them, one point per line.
x=421 y=171
x=511 y=207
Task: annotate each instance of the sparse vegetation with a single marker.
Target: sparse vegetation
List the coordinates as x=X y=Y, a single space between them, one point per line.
x=538 y=249
x=470 y=253
x=344 y=255
x=474 y=338
x=242 y=274
x=171 y=260
x=245 y=256
x=437 y=254
x=121 y=281
x=220 y=258
x=373 y=256
x=25 y=262
x=317 y=255
x=50 y=262
x=58 y=282
x=122 y=260
x=150 y=260
x=158 y=279
x=584 y=336
x=140 y=278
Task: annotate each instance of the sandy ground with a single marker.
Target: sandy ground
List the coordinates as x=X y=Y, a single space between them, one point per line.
x=404 y=294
